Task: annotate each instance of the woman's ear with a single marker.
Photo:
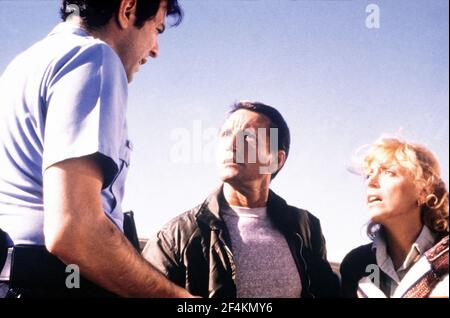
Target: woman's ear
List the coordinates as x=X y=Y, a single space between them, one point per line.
x=422 y=195
x=126 y=15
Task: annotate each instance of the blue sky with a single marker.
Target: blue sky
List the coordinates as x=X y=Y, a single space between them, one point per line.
x=338 y=84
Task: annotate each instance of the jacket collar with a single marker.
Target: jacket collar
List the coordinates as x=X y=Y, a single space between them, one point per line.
x=209 y=211
x=279 y=213
x=425 y=240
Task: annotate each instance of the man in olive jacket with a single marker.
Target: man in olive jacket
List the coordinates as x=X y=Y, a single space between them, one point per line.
x=244 y=240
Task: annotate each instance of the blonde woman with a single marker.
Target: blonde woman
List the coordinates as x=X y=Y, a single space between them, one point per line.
x=408 y=205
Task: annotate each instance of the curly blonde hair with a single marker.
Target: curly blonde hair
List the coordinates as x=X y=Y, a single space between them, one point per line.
x=425 y=168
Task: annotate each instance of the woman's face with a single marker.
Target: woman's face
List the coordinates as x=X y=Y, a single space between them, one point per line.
x=391 y=193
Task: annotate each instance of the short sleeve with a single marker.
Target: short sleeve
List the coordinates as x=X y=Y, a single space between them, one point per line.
x=85 y=100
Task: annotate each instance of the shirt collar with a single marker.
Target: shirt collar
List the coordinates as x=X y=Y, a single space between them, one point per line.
x=423 y=242
x=384 y=261
x=68 y=27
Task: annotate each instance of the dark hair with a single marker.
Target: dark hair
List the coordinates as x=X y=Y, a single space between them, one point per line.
x=97 y=13
x=276 y=121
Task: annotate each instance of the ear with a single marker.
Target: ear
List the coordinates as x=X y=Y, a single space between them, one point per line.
x=281 y=159
x=422 y=195
x=127 y=13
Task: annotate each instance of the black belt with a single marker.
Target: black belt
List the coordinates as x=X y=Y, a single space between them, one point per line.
x=37 y=273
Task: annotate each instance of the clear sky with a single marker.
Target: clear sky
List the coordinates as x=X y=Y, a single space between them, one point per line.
x=338 y=83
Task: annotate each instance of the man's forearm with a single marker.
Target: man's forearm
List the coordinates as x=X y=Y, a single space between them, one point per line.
x=78 y=232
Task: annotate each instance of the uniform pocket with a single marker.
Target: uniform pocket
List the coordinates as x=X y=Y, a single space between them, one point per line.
x=125 y=152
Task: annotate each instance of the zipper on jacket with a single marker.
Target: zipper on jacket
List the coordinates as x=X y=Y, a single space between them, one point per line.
x=233 y=265
x=229 y=254
x=305 y=266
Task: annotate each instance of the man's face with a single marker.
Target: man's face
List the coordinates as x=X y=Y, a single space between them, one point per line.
x=142 y=43
x=243 y=150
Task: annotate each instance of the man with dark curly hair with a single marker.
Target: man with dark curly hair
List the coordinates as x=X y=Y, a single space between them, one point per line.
x=64 y=152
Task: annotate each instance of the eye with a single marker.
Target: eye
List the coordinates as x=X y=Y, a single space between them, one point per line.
x=368 y=174
x=250 y=139
x=389 y=173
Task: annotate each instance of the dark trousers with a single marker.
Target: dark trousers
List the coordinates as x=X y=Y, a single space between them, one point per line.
x=35 y=273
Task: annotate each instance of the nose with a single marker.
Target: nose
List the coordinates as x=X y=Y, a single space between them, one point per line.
x=154 y=52
x=230 y=143
x=143 y=61
x=227 y=147
x=372 y=180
